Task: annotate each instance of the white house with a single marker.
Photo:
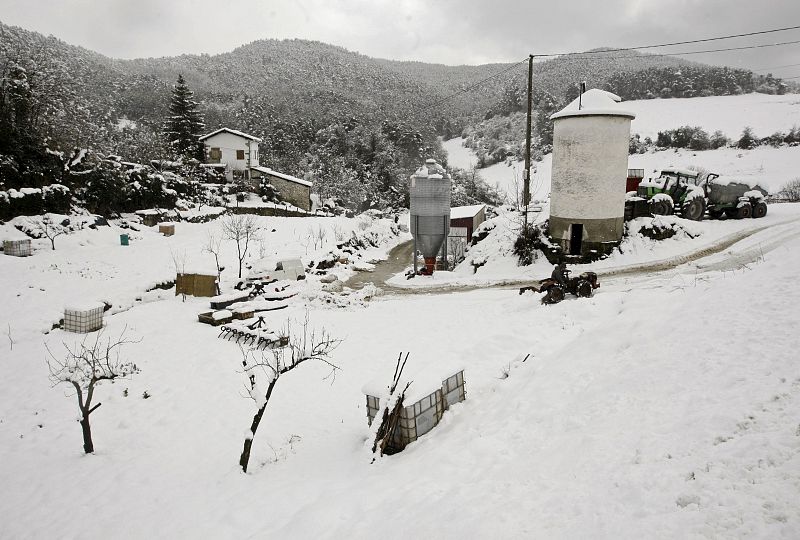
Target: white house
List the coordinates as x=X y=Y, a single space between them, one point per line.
x=236 y=150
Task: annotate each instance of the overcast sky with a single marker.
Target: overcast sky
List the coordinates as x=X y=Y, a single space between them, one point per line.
x=444 y=31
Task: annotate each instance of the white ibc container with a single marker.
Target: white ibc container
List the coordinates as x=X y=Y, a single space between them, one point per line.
x=84 y=317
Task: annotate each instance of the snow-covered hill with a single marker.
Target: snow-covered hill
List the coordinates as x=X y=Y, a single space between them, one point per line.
x=766 y=114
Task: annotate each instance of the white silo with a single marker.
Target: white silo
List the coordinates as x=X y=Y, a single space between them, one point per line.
x=590 y=162
x=430 y=211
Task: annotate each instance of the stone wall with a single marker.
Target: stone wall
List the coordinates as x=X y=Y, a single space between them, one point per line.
x=292 y=192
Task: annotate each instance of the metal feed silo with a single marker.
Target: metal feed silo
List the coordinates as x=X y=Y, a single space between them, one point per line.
x=590 y=163
x=430 y=211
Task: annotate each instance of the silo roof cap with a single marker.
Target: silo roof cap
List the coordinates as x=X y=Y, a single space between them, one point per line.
x=431 y=170
x=594 y=102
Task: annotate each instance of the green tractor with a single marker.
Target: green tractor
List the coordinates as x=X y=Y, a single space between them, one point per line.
x=689 y=194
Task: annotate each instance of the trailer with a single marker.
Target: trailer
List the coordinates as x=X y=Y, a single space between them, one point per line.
x=690 y=194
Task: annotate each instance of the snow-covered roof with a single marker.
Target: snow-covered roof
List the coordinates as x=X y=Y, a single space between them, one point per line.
x=679 y=170
x=460 y=212
x=287 y=177
x=594 y=102
x=232 y=132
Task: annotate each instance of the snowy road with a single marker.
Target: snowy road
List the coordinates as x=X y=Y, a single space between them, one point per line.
x=729 y=253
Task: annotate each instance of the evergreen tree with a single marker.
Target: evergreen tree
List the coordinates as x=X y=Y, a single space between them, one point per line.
x=748 y=139
x=185 y=123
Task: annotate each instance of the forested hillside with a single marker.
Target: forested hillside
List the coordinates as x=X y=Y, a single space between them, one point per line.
x=629 y=74
x=356 y=123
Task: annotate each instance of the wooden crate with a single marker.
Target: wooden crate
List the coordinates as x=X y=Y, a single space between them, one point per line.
x=167 y=229
x=204 y=285
x=243 y=313
x=215 y=318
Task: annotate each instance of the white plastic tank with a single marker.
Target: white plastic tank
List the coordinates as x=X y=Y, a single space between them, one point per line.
x=590 y=164
x=429 y=191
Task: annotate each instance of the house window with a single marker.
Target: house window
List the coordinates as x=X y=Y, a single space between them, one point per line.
x=240 y=154
x=214 y=155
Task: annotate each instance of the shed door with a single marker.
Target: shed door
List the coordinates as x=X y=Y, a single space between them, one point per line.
x=575 y=238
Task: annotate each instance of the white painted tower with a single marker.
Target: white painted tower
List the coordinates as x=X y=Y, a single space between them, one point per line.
x=590 y=164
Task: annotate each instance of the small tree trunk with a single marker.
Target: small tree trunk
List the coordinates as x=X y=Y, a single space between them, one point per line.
x=53 y=243
x=88 y=445
x=244 y=459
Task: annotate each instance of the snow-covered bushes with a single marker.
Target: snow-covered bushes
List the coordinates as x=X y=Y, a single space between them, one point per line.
x=34 y=201
x=661 y=228
x=528 y=244
x=106 y=188
x=791 y=191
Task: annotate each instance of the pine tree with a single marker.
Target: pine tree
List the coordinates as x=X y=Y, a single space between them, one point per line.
x=185 y=122
x=748 y=139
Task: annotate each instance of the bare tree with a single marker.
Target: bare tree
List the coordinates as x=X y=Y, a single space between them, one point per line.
x=179 y=262
x=791 y=190
x=319 y=234
x=456 y=248
x=213 y=245
x=10 y=338
x=516 y=197
x=338 y=232
x=242 y=229
x=263 y=371
x=86 y=364
x=49 y=229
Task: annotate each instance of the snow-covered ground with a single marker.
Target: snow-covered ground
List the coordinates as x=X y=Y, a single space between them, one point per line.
x=665 y=406
x=506 y=175
x=764 y=113
x=491 y=262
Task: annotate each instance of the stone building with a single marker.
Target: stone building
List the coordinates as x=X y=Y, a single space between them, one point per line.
x=293 y=190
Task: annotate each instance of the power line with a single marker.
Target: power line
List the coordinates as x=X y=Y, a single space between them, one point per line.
x=474 y=85
x=777 y=67
x=703 y=40
x=598 y=54
x=603 y=55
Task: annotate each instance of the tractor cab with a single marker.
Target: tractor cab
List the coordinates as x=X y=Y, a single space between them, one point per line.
x=671 y=181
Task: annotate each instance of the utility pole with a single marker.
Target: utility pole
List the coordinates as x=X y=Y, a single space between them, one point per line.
x=526 y=174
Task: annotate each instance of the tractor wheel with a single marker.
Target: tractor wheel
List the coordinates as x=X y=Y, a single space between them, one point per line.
x=715 y=214
x=555 y=294
x=583 y=289
x=744 y=211
x=760 y=209
x=660 y=208
x=694 y=209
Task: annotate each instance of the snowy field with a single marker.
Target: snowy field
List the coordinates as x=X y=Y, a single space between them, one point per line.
x=764 y=113
x=772 y=167
x=611 y=428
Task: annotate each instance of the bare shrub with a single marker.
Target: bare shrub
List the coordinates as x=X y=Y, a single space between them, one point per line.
x=242 y=229
x=83 y=366
x=791 y=190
